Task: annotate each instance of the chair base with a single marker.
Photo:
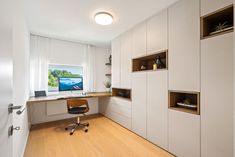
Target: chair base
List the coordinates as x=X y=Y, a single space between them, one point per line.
x=75 y=126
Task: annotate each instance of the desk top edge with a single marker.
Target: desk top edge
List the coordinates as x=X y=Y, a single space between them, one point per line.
x=58 y=97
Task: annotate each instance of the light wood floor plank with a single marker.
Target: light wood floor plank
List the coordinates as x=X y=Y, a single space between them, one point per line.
x=105 y=138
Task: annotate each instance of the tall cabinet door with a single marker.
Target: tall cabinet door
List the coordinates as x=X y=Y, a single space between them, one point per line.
x=217 y=96
x=184 y=46
x=184 y=134
x=157 y=33
x=209 y=6
x=116 y=54
x=126 y=53
x=139 y=40
x=157 y=108
x=139 y=103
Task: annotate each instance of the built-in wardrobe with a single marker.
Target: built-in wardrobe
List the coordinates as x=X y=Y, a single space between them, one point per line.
x=172 y=79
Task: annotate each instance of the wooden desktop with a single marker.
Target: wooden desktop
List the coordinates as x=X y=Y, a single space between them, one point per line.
x=65 y=97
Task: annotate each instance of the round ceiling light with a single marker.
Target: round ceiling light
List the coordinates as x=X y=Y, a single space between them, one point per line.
x=103 y=18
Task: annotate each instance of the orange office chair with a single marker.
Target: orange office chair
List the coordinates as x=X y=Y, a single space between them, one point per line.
x=77 y=106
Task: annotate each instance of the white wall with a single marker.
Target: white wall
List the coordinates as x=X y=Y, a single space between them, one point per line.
x=20 y=81
x=101 y=57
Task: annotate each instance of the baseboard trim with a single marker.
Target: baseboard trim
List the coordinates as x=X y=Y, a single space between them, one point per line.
x=86 y=117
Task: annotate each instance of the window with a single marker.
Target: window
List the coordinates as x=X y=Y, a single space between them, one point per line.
x=55 y=72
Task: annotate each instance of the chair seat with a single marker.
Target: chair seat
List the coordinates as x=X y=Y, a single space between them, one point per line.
x=77 y=110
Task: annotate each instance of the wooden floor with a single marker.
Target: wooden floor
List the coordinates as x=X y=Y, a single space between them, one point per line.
x=105 y=138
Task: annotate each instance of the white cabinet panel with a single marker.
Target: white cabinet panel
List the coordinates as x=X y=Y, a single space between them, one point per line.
x=56 y=107
x=121 y=106
x=184 y=134
x=157 y=108
x=116 y=54
x=122 y=120
x=208 y=6
x=126 y=52
x=117 y=109
x=157 y=33
x=217 y=96
x=184 y=46
x=139 y=40
x=139 y=103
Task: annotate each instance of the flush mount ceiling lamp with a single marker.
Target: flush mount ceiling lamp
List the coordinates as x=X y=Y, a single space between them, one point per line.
x=103 y=18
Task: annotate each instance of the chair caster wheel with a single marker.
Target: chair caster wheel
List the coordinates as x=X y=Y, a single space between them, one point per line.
x=86 y=130
x=87 y=125
x=65 y=128
x=71 y=133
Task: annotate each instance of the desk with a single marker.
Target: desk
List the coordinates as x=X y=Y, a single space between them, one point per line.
x=54 y=107
x=68 y=96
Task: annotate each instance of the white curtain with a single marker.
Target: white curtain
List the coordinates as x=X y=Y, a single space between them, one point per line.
x=41 y=48
x=90 y=69
x=39 y=59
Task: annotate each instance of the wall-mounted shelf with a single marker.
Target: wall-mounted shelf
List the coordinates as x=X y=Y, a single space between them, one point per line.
x=185 y=101
x=146 y=62
x=120 y=92
x=218 y=22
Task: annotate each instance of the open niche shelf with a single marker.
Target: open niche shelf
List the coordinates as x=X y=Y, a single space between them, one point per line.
x=157 y=61
x=218 y=22
x=185 y=101
x=120 y=92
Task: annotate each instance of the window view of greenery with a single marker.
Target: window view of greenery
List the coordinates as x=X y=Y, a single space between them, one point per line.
x=56 y=71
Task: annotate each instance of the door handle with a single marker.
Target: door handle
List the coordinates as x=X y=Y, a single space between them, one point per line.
x=20 y=111
x=11 y=130
x=11 y=108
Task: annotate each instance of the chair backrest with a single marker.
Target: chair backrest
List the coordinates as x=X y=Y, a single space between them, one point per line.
x=71 y=103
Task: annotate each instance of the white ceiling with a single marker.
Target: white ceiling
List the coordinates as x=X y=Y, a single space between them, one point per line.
x=73 y=19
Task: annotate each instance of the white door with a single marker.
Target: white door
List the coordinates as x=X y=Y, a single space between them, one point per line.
x=126 y=49
x=184 y=134
x=157 y=108
x=184 y=46
x=139 y=103
x=157 y=29
x=217 y=96
x=6 y=71
x=139 y=40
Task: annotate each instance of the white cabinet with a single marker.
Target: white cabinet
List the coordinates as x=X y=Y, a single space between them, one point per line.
x=126 y=52
x=116 y=54
x=184 y=46
x=139 y=103
x=209 y=6
x=157 y=33
x=184 y=134
x=139 y=40
x=117 y=109
x=157 y=108
x=217 y=96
